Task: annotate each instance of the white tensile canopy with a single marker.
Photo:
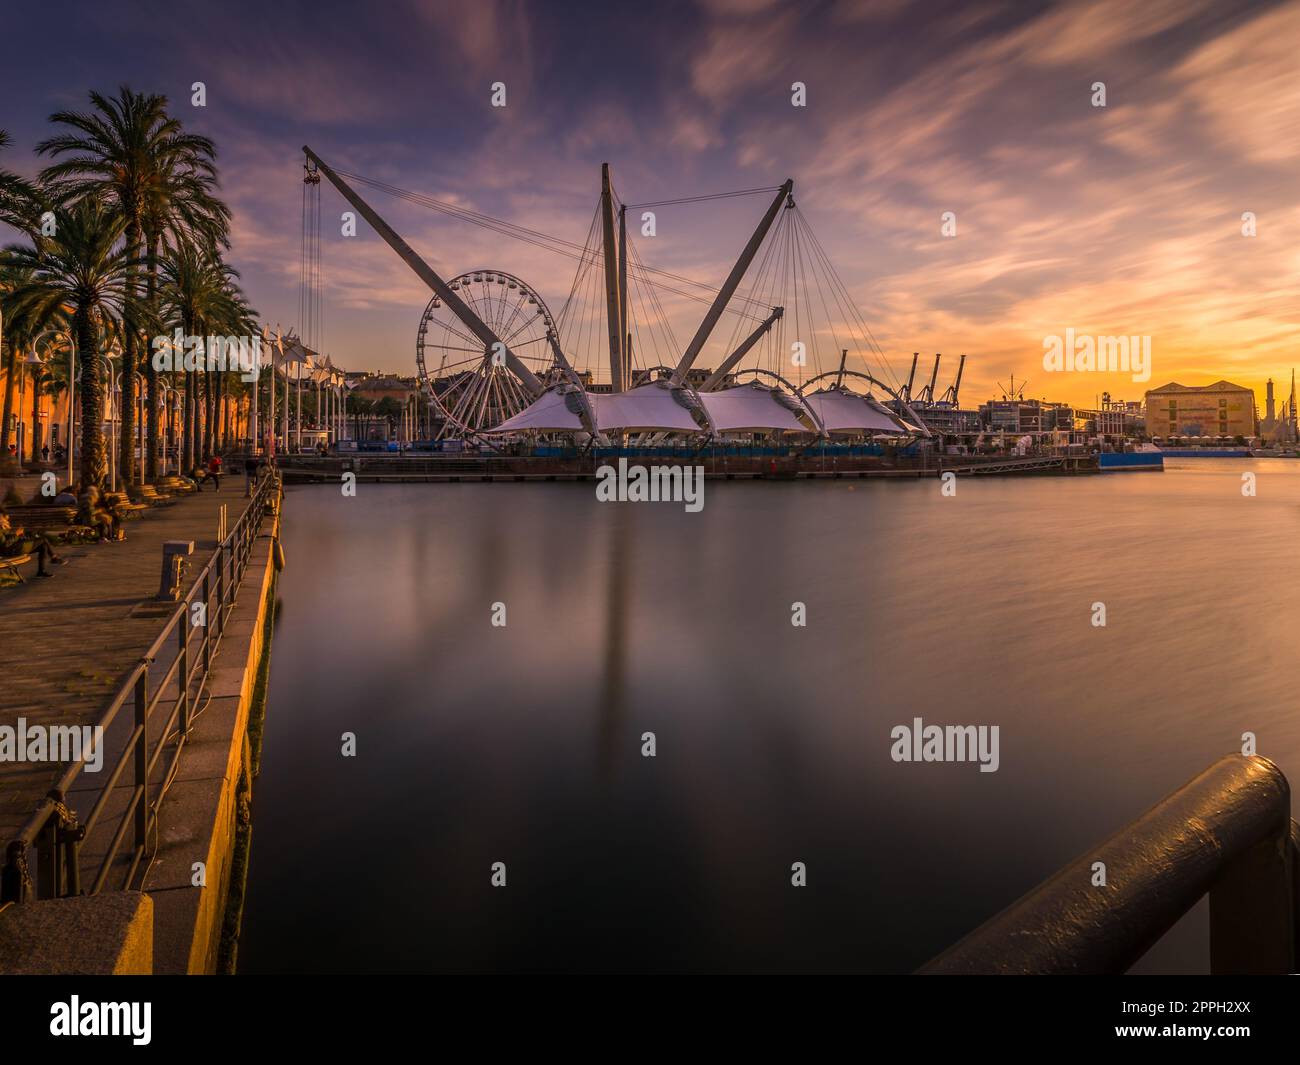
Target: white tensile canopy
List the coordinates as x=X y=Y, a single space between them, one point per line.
x=653 y=406
x=555 y=410
x=661 y=407
x=842 y=411
x=748 y=408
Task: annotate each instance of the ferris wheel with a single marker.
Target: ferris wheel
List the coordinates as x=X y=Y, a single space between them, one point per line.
x=471 y=388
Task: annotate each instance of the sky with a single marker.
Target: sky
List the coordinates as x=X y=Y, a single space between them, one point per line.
x=1123 y=219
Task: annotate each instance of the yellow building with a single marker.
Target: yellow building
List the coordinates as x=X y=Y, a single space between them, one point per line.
x=1220 y=409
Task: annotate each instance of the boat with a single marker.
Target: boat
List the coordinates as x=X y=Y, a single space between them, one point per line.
x=1143 y=457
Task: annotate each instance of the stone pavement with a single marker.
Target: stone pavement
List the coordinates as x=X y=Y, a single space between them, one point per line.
x=68 y=642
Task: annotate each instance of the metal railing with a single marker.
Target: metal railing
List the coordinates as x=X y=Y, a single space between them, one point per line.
x=54 y=831
x=1227 y=833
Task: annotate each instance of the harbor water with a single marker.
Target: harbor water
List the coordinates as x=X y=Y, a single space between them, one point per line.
x=523 y=743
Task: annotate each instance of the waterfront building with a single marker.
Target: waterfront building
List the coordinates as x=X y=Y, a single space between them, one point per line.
x=1220 y=409
x=1278 y=425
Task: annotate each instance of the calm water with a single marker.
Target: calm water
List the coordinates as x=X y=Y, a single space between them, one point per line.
x=522 y=744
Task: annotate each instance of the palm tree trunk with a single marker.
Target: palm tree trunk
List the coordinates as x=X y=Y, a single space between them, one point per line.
x=207 y=416
x=36 y=415
x=11 y=373
x=126 y=465
x=187 y=430
x=223 y=410
x=152 y=429
x=94 y=461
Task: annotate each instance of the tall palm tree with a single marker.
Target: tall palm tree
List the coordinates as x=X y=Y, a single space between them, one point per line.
x=82 y=271
x=13 y=330
x=199 y=293
x=19 y=207
x=19 y=199
x=129 y=152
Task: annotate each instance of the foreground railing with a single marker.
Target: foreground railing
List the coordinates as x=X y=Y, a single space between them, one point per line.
x=1228 y=833
x=54 y=831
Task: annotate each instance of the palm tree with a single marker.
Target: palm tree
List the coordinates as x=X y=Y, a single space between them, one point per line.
x=129 y=152
x=82 y=271
x=199 y=293
x=19 y=207
x=11 y=342
x=19 y=199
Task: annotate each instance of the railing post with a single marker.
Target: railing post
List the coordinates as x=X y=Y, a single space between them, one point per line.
x=221 y=587
x=1252 y=919
x=72 y=861
x=47 y=861
x=183 y=676
x=207 y=627
x=142 y=758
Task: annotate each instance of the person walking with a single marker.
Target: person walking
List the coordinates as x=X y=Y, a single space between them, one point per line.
x=214 y=472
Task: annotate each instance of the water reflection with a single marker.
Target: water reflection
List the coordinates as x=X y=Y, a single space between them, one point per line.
x=522 y=744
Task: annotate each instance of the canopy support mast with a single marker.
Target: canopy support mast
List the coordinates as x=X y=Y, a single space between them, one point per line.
x=429 y=276
x=731 y=284
x=613 y=313
x=731 y=360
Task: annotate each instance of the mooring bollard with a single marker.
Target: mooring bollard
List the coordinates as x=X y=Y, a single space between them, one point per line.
x=173 y=565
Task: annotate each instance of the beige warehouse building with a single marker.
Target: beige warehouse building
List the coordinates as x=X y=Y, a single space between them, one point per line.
x=1220 y=409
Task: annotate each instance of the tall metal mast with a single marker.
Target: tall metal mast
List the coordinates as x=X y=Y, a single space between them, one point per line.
x=730 y=285
x=731 y=360
x=622 y=296
x=613 y=313
x=430 y=277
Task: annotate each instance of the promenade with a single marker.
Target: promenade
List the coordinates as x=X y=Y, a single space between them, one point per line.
x=68 y=642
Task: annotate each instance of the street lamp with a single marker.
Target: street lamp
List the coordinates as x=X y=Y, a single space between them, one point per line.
x=114 y=403
x=72 y=388
x=34 y=364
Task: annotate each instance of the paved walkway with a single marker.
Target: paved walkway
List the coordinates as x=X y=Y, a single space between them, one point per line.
x=68 y=642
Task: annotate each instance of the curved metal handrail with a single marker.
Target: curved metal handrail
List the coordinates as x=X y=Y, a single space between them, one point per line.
x=1226 y=833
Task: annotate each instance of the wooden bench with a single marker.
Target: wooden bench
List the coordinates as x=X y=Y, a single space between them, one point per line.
x=41 y=515
x=150 y=496
x=12 y=563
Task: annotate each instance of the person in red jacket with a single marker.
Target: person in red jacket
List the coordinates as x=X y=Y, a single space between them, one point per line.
x=214 y=472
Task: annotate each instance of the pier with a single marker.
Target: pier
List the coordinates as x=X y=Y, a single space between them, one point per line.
x=158 y=677
x=716 y=465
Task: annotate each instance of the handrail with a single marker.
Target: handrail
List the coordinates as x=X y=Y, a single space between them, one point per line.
x=53 y=829
x=1227 y=833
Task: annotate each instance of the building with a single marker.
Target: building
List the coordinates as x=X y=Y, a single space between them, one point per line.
x=1279 y=423
x=1220 y=409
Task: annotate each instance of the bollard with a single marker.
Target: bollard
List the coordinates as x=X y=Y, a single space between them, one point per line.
x=173 y=565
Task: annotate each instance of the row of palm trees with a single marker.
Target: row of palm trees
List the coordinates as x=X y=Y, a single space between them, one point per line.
x=125 y=238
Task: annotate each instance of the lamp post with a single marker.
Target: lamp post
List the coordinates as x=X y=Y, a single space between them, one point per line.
x=72 y=384
x=114 y=402
x=35 y=365
x=140 y=388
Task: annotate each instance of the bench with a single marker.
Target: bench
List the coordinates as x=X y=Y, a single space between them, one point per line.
x=12 y=563
x=175 y=485
x=41 y=516
x=149 y=496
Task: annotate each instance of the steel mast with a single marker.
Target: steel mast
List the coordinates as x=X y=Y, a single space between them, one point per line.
x=613 y=314
x=731 y=284
x=430 y=277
